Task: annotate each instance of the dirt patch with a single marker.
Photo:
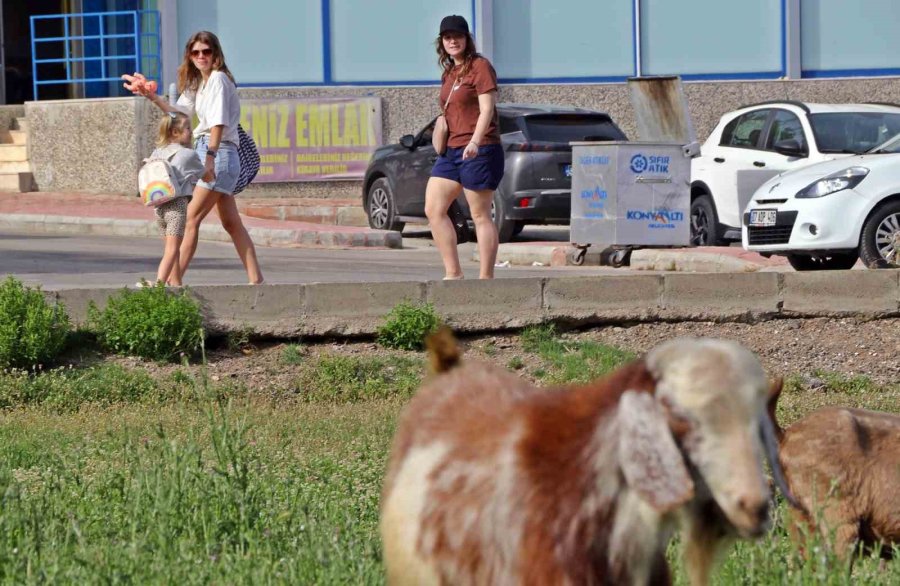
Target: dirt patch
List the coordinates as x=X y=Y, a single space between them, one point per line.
x=793 y=346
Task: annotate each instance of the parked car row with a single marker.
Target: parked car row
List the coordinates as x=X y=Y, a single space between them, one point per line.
x=535 y=188
x=817 y=183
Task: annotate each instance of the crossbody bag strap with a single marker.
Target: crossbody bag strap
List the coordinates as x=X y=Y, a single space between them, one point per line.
x=453 y=88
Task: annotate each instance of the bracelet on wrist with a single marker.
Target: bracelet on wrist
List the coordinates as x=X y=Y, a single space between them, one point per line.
x=211 y=153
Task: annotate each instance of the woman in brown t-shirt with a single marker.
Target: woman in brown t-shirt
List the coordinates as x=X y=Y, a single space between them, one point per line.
x=473 y=161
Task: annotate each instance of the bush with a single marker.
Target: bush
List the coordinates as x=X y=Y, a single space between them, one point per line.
x=151 y=323
x=407 y=325
x=32 y=331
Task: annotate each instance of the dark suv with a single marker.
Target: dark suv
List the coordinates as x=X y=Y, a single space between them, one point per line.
x=535 y=188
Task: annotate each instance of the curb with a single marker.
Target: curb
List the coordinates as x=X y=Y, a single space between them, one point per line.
x=648 y=259
x=358 y=309
x=272 y=237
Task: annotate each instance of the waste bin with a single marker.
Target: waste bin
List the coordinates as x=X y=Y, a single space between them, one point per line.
x=630 y=194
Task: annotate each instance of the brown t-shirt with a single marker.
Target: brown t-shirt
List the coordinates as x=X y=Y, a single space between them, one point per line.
x=463 y=110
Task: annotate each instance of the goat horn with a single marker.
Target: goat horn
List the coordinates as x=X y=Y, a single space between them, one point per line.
x=767 y=432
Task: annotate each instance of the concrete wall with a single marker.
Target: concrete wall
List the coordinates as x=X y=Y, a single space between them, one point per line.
x=93 y=145
x=353 y=309
x=10 y=113
x=404 y=109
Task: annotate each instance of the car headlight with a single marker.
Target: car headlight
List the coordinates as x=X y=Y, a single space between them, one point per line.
x=845 y=179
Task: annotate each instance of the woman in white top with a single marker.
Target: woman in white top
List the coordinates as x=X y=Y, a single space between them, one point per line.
x=207 y=89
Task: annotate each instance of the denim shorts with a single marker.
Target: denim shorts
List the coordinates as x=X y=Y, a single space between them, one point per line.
x=479 y=173
x=228 y=166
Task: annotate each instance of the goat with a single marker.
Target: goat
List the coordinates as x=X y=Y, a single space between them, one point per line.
x=843 y=466
x=495 y=481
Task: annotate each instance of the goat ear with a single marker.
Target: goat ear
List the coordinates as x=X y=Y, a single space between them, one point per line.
x=651 y=462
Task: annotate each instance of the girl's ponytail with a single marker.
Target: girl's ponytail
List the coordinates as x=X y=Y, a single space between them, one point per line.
x=170 y=121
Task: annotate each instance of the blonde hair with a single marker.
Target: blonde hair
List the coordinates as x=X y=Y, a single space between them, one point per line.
x=188 y=75
x=171 y=123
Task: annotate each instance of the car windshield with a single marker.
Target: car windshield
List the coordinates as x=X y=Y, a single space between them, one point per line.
x=567 y=127
x=853 y=132
x=892 y=146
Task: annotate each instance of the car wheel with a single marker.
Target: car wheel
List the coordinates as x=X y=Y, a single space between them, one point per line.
x=704 y=223
x=879 y=245
x=517 y=228
x=837 y=261
x=381 y=208
x=505 y=227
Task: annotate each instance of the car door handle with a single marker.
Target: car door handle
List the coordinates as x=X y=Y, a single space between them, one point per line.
x=719 y=160
x=758 y=164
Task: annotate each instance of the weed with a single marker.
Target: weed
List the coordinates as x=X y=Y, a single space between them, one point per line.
x=515 y=363
x=151 y=323
x=240 y=340
x=347 y=379
x=32 y=331
x=535 y=337
x=292 y=354
x=407 y=325
x=571 y=361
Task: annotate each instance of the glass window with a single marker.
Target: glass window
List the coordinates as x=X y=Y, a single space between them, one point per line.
x=567 y=127
x=786 y=126
x=277 y=44
x=711 y=36
x=744 y=130
x=535 y=39
x=852 y=132
x=389 y=40
x=841 y=35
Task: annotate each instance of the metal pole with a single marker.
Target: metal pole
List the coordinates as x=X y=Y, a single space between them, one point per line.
x=638 y=69
x=2 y=59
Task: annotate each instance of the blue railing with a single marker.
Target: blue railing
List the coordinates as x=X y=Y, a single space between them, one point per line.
x=128 y=48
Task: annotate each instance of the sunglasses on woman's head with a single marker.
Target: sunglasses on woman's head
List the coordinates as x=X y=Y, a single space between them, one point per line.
x=198 y=52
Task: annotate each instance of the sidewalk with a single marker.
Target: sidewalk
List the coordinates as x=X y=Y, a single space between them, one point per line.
x=117 y=215
x=712 y=259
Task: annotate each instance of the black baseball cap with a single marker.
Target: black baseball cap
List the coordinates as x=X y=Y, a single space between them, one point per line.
x=454 y=24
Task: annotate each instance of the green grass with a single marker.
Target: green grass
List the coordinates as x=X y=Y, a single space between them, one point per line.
x=109 y=475
x=568 y=360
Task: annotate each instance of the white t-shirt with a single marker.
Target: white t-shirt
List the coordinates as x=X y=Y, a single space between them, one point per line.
x=216 y=103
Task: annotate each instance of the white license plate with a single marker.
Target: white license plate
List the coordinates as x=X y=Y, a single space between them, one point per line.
x=567 y=170
x=763 y=217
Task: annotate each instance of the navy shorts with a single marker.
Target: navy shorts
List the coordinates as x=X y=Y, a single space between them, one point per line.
x=482 y=172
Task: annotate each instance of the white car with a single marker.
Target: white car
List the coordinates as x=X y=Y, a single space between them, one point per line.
x=825 y=216
x=751 y=145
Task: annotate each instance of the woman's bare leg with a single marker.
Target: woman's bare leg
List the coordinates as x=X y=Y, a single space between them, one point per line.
x=231 y=221
x=439 y=194
x=485 y=230
x=201 y=204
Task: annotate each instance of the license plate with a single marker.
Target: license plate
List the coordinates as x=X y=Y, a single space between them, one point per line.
x=567 y=170
x=763 y=217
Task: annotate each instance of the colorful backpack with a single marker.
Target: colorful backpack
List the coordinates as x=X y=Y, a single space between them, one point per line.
x=157 y=182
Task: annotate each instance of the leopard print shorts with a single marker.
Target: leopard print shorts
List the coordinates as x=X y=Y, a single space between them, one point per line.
x=172 y=216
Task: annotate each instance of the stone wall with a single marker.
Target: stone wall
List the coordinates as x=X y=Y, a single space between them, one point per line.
x=92 y=145
x=110 y=127
x=10 y=113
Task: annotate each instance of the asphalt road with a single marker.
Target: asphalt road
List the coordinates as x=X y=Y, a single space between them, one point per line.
x=63 y=261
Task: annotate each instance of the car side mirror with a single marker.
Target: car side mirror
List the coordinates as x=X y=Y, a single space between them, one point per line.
x=790 y=148
x=408 y=141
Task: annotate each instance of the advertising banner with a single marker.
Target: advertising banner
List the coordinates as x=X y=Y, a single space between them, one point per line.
x=315 y=139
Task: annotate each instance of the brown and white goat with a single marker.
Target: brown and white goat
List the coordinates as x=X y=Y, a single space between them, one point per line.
x=495 y=481
x=843 y=466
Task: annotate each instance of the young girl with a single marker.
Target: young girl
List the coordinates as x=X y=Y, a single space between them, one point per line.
x=174 y=145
